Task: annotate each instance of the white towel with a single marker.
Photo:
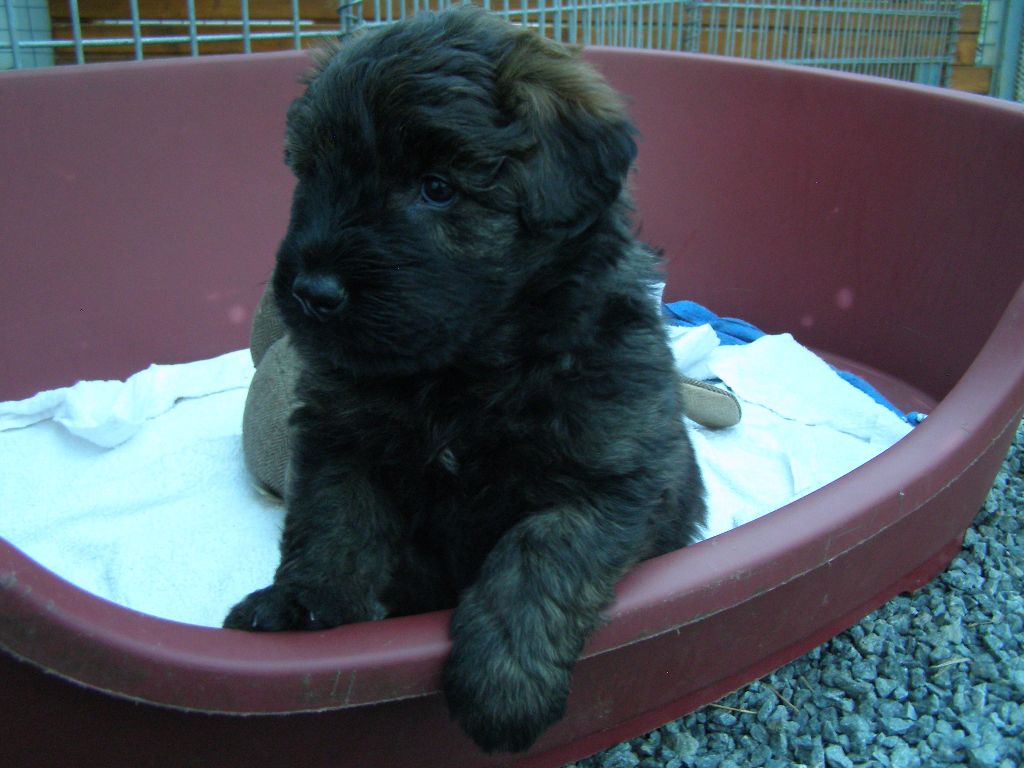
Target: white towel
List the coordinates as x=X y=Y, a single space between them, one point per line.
x=137 y=491
x=802 y=427
x=107 y=413
x=167 y=522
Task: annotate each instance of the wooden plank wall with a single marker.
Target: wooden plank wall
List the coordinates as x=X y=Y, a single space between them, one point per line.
x=112 y=19
x=966 y=76
x=779 y=30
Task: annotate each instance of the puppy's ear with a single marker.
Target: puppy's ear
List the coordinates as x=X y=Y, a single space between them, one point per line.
x=300 y=119
x=582 y=139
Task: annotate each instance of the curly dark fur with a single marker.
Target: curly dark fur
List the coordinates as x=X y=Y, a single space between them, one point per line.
x=490 y=416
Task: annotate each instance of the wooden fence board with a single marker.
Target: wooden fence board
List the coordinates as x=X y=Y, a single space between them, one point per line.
x=971 y=79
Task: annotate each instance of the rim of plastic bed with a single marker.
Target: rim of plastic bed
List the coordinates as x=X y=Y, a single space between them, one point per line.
x=78 y=636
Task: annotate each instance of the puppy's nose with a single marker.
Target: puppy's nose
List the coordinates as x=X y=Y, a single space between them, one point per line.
x=320 y=296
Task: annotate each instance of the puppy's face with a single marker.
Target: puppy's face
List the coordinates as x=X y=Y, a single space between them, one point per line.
x=441 y=163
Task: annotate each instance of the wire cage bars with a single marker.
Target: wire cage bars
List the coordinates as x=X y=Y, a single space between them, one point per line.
x=903 y=39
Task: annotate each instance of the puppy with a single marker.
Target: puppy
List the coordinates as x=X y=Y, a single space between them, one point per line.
x=489 y=415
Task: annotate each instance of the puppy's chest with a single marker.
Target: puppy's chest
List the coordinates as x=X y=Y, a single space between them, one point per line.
x=465 y=448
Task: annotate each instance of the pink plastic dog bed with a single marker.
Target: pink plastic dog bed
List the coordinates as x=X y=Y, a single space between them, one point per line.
x=879 y=222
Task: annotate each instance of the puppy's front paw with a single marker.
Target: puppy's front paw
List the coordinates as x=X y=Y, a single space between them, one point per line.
x=272 y=609
x=503 y=702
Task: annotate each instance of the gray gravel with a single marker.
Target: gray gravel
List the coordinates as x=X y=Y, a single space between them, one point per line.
x=931 y=679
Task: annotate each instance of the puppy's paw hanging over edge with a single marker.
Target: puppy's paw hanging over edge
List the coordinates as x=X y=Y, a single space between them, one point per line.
x=501 y=710
x=503 y=700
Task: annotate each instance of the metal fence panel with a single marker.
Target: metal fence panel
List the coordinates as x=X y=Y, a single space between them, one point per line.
x=904 y=39
x=1008 y=77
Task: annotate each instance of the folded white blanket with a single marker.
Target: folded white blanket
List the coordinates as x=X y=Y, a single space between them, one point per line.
x=802 y=427
x=107 y=413
x=167 y=522
x=136 y=491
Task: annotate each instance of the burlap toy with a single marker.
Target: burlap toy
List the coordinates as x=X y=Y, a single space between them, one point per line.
x=271 y=399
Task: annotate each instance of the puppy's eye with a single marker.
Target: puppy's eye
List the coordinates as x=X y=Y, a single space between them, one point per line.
x=437 y=192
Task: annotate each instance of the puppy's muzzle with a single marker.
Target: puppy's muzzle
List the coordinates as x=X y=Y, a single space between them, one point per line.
x=320 y=296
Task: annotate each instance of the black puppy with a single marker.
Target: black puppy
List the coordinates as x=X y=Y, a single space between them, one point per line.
x=489 y=416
